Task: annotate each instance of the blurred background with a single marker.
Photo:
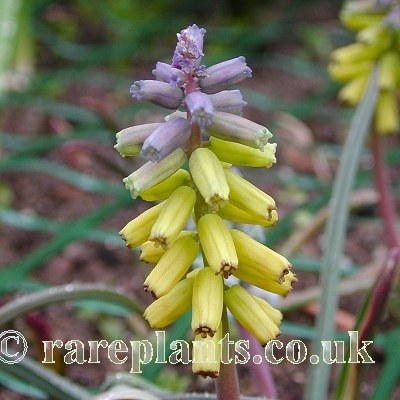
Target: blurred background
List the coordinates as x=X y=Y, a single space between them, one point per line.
x=65 y=72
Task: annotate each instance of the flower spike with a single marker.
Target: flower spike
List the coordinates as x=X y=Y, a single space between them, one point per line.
x=205 y=192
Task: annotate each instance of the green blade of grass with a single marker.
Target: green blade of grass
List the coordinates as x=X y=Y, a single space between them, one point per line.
x=75 y=178
x=28 y=222
x=72 y=291
x=17 y=385
x=390 y=373
x=45 y=379
x=317 y=384
x=77 y=229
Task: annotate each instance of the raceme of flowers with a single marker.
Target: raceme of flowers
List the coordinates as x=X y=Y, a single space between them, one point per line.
x=377 y=23
x=207 y=130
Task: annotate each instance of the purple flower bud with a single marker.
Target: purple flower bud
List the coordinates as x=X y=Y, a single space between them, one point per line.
x=189 y=49
x=225 y=74
x=230 y=101
x=130 y=140
x=165 y=139
x=392 y=20
x=157 y=92
x=234 y=128
x=200 y=108
x=166 y=73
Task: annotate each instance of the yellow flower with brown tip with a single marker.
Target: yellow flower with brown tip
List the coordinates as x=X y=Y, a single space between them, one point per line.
x=250 y=198
x=206 y=354
x=260 y=321
x=138 y=230
x=217 y=244
x=173 y=217
x=165 y=310
x=208 y=175
x=260 y=258
x=172 y=266
x=207 y=302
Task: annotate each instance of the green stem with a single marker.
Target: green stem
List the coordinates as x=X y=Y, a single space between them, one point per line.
x=227 y=384
x=317 y=385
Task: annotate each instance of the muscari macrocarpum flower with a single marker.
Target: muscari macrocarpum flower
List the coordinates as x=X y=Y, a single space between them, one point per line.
x=207 y=130
x=377 y=24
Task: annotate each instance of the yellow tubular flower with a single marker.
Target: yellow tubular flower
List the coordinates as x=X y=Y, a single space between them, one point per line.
x=356 y=21
x=208 y=175
x=207 y=302
x=388 y=70
x=138 y=230
x=217 y=244
x=262 y=259
x=348 y=71
x=164 y=189
x=173 y=217
x=387 y=113
x=376 y=34
x=152 y=173
x=354 y=90
x=235 y=214
x=253 y=277
x=172 y=267
x=240 y=154
x=250 y=315
x=272 y=312
x=249 y=198
x=206 y=355
x=149 y=253
x=152 y=254
x=356 y=52
x=168 y=308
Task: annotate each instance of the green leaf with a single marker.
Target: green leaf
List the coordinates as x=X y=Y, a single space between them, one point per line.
x=20 y=386
x=75 y=230
x=72 y=291
x=75 y=178
x=45 y=379
x=317 y=384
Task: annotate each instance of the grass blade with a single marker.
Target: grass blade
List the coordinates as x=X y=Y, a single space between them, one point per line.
x=71 y=291
x=82 y=181
x=45 y=379
x=318 y=379
x=77 y=229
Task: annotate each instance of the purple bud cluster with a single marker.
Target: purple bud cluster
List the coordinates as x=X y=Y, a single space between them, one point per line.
x=190 y=87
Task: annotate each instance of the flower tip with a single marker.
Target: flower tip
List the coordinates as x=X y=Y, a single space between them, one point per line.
x=147 y=289
x=136 y=91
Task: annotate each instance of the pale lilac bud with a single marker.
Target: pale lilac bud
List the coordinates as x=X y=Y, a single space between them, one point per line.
x=393 y=18
x=200 y=108
x=165 y=139
x=157 y=92
x=230 y=101
x=166 y=73
x=151 y=173
x=130 y=140
x=225 y=74
x=234 y=128
x=189 y=49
